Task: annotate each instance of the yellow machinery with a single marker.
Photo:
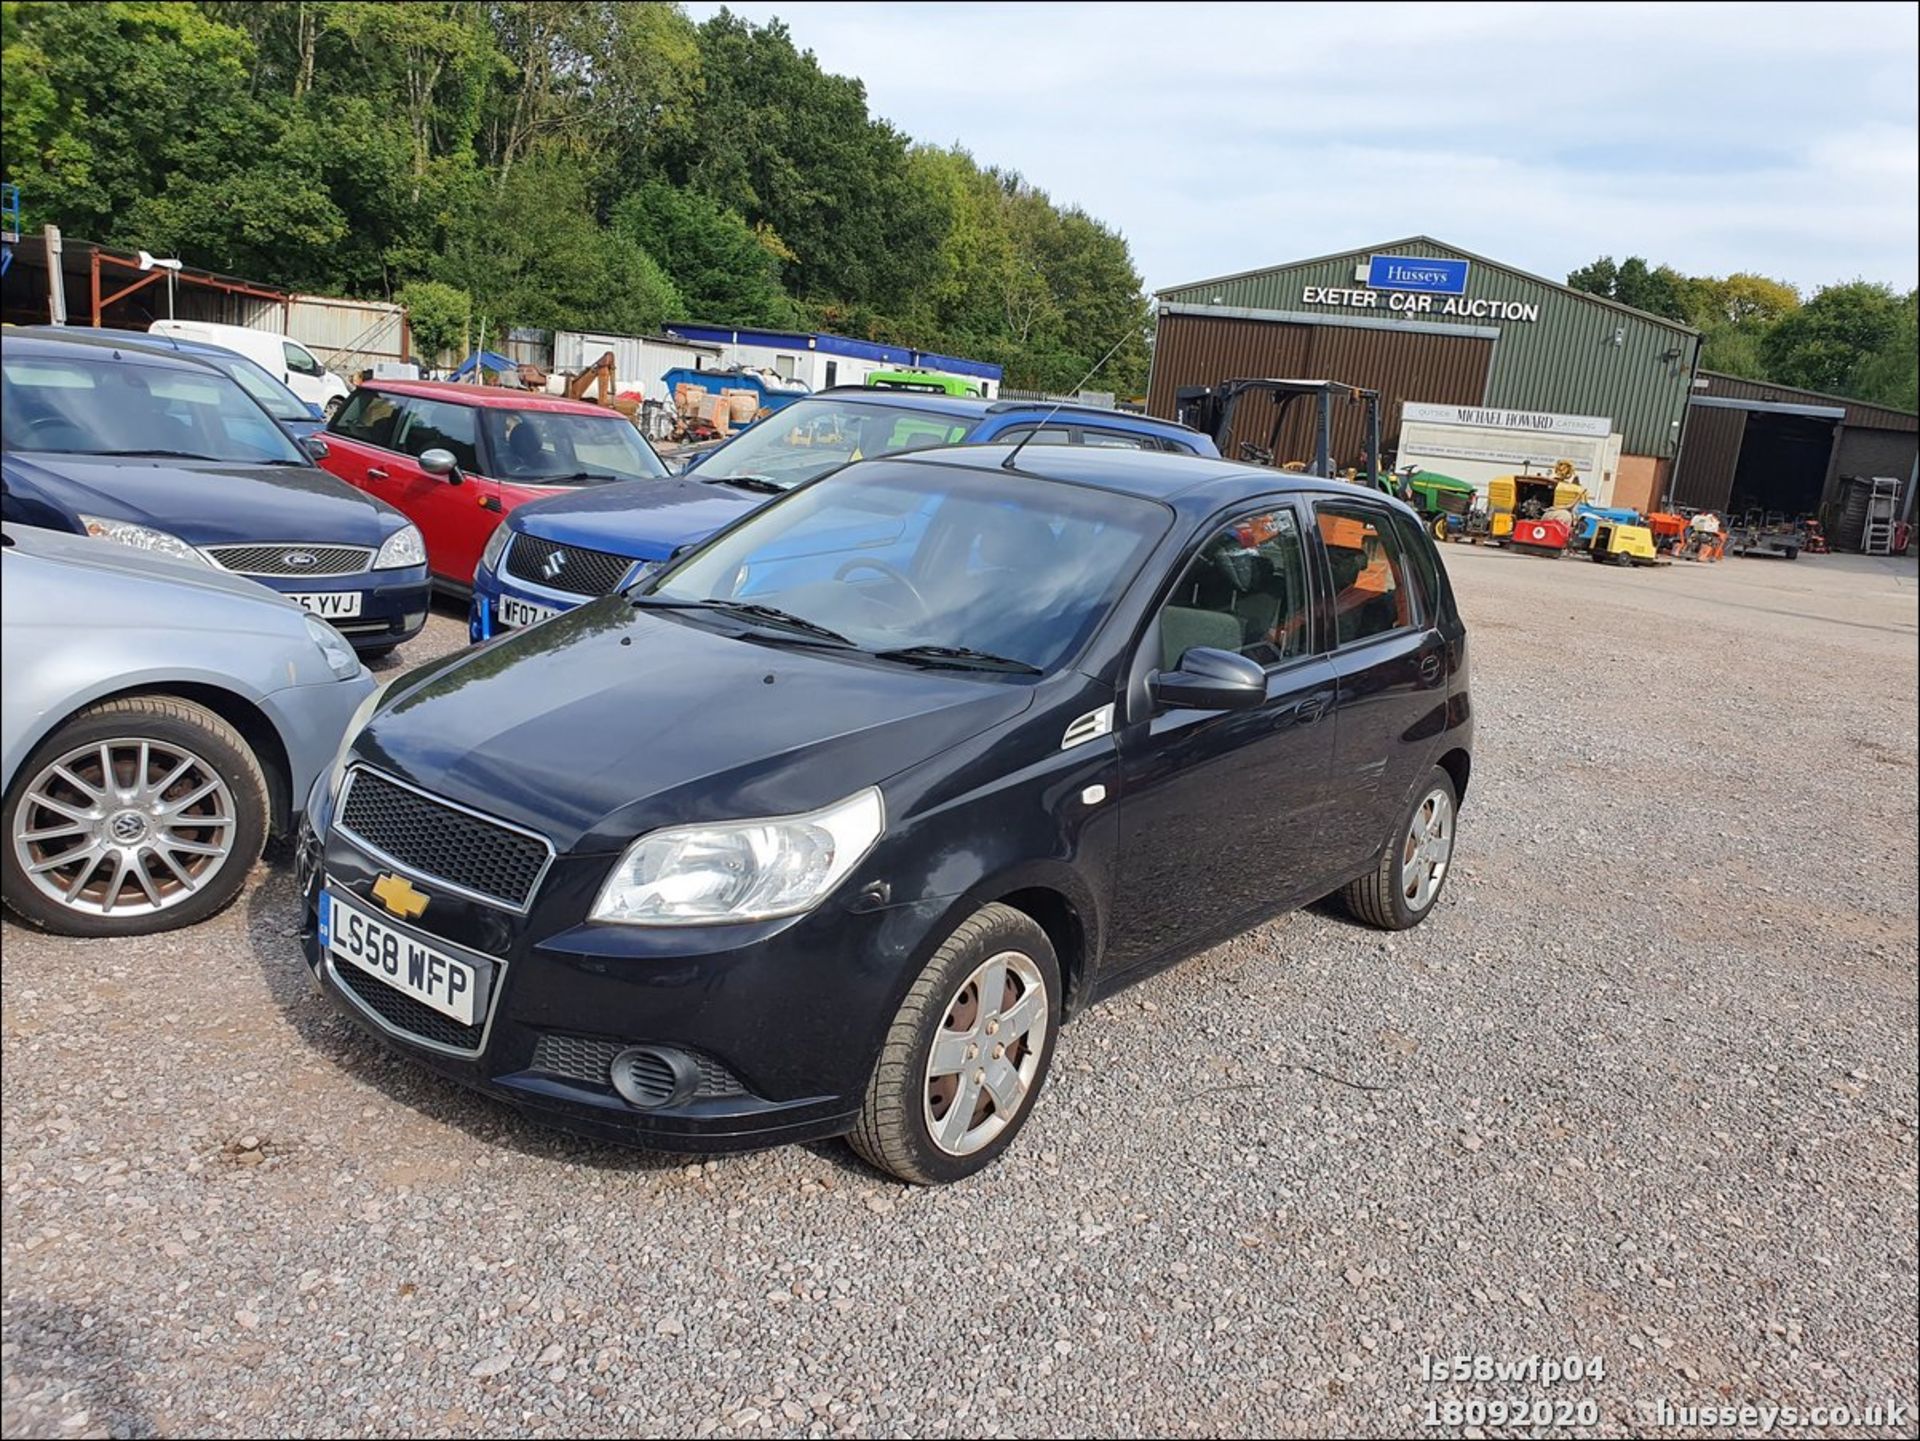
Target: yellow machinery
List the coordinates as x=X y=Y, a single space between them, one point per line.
x=1533 y=497
x=1616 y=543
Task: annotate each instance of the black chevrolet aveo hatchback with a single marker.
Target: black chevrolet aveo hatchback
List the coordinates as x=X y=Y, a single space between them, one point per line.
x=828 y=827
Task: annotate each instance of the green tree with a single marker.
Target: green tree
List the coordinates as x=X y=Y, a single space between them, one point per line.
x=439 y=315
x=724 y=270
x=1823 y=344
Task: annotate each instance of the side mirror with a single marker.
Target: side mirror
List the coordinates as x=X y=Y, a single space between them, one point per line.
x=316 y=447
x=1210 y=679
x=441 y=463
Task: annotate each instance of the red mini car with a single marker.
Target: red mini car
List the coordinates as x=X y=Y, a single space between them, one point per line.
x=457 y=458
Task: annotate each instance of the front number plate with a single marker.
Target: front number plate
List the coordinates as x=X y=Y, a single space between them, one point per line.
x=516 y=613
x=433 y=978
x=328 y=604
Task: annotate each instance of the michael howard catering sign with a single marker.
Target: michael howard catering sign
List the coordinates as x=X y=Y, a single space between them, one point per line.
x=1413 y=272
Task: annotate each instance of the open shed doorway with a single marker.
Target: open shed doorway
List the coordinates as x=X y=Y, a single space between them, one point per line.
x=1783 y=466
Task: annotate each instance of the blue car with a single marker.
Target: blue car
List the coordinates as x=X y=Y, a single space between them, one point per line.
x=167 y=454
x=296 y=417
x=555 y=554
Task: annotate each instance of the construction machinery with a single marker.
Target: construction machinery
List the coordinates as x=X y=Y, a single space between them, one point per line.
x=1535 y=513
x=1618 y=542
x=1703 y=540
x=598 y=376
x=1211 y=409
x=1767 y=533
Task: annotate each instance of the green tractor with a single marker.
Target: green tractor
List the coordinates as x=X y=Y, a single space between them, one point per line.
x=1436 y=497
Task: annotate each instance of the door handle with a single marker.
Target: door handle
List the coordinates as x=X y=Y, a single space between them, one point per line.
x=1430 y=667
x=1304 y=711
x=376 y=473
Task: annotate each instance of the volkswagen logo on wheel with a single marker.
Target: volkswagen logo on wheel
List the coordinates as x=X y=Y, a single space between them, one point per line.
x=298 y=559
x=553 y=565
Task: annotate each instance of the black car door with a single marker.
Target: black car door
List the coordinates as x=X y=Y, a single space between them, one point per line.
x=1219 y=810
x=1390 y=662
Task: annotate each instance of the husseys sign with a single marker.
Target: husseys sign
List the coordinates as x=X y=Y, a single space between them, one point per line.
x=1415 y=285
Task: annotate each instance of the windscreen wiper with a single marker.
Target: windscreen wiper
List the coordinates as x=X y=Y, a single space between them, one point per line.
x=167 y=454
x=765 y=484
x=577 y=475
x=747 y=610
x=956 y=657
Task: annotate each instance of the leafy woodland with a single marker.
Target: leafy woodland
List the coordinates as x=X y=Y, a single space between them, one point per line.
x=1858 y=339
x=548 y=163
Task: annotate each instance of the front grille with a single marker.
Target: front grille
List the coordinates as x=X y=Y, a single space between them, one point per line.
x=569 y=568
x=292 y=559
x=590 y=1059
x=404 y=1013
x=487 y=858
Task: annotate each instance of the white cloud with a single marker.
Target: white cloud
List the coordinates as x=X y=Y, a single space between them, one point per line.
x=1219 y=138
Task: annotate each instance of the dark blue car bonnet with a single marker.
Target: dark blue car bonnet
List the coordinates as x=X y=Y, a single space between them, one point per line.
x=648 y=519
x=210 y=503
x=610 y=721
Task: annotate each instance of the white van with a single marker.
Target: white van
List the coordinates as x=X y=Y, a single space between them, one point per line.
x=288 y=359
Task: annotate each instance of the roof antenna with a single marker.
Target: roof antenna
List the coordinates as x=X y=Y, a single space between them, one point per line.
x=1112 y=350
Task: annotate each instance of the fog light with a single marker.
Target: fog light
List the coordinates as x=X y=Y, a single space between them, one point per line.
x=651 y=1077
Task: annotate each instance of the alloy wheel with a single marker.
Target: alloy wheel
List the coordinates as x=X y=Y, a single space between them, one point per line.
x=986 y=1053
x=1427 y=849
x=125 y=827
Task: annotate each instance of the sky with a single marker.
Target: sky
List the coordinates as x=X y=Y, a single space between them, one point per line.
x=1225 y=137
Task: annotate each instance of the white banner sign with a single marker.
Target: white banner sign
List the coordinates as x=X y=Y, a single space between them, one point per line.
x=1483 y=419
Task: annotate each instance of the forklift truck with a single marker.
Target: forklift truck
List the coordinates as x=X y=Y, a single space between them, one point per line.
x=1210 y=408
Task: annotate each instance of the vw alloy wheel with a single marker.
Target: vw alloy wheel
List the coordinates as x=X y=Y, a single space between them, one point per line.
x=125 y=827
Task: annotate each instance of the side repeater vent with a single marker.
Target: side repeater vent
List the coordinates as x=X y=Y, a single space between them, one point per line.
x=1091 y=726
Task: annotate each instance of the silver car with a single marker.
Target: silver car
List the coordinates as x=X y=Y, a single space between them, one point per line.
x=157 y=722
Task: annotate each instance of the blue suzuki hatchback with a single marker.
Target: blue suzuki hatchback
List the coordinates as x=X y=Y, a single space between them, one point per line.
x=555 y=554
x=167 y=454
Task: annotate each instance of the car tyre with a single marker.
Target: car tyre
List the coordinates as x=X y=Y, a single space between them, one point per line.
x=952 y=1058
x=167 y=731
x=1400 y=892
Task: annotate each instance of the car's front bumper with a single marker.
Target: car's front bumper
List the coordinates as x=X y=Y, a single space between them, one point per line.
x=490 y=588
x=786 y=1016
x=393 y=603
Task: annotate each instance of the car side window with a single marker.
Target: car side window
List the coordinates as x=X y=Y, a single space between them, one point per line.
x=368 y=416
x=1116 y=439
x=1424 y=566
x=298 y=360
x=1041 y=435
x=436 y=425
x=1370 y=592
x=1245 y=591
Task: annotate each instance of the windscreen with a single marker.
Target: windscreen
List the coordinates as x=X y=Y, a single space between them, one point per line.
x=116 y=406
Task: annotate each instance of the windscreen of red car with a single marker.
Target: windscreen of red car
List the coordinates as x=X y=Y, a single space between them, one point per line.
x=544 y=447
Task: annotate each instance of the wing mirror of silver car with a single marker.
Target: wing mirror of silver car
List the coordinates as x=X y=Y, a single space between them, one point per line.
x=1210 y=679
x=441 y=463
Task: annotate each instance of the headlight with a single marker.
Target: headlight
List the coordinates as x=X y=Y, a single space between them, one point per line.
x=740 y=870
x=141 y=537
x=340 y=657
x=361 y=715
x=496 y=546
x=401 y=549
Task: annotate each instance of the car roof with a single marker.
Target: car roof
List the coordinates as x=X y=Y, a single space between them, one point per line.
x=1152 y=475
x=144 y=340
x=972 y=407
x=22 y=342
x=488 y=397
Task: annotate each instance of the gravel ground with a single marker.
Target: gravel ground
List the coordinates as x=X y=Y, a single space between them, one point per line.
x=1642 y=1089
